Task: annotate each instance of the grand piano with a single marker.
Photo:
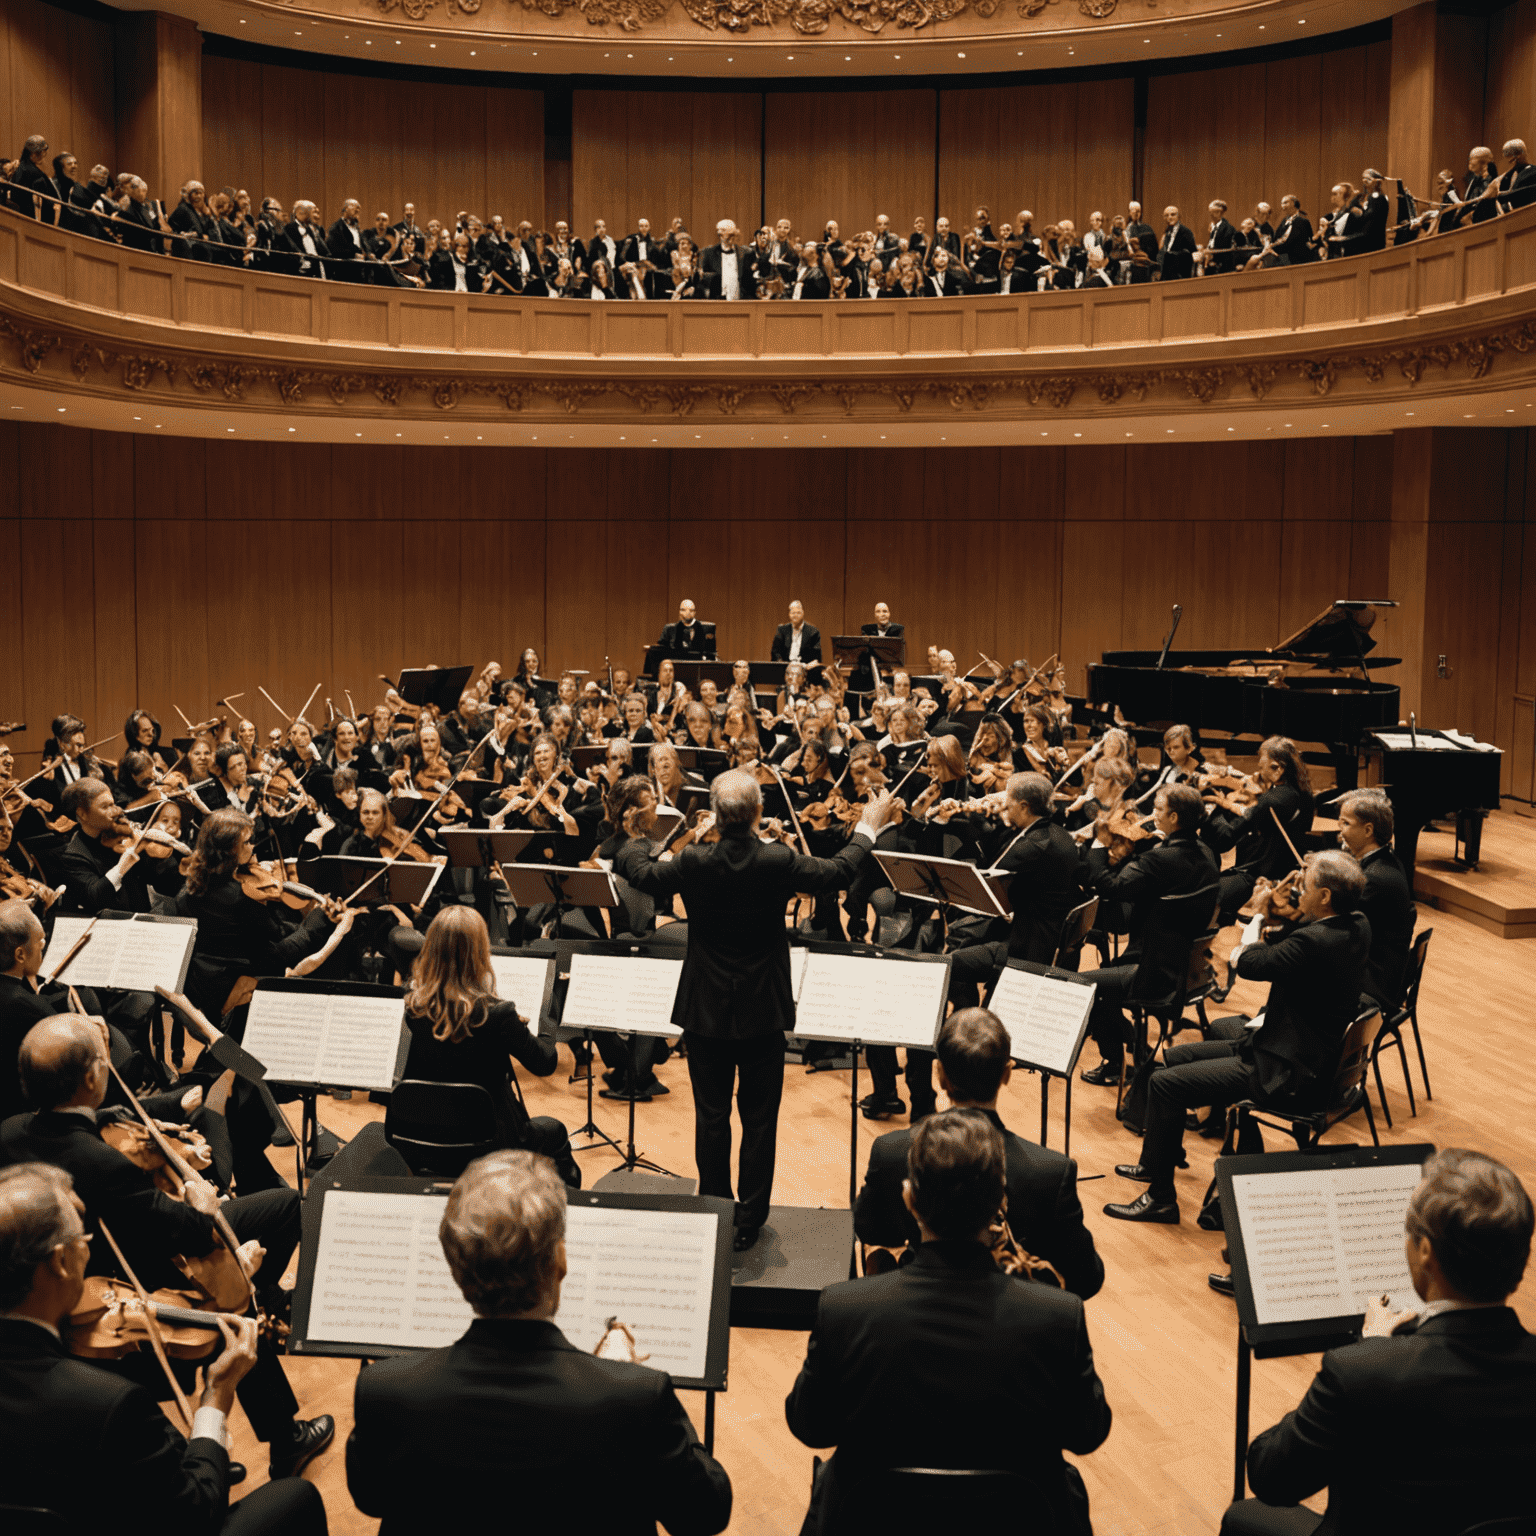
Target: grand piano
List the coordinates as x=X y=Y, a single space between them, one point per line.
x=1315 y=686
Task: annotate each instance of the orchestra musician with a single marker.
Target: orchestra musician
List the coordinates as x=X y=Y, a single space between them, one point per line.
x=1365 y=832
x=733 y=1000
x=796 y=640
x=64 y=1074
x=1258 y=831
x=142 y=1472
x=687 y=636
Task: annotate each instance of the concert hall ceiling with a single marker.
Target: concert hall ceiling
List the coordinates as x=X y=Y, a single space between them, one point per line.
x=766 y=39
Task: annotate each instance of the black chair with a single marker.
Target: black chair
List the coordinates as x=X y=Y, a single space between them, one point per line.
x=30 y=1520
x=440 y=1127
x=927 y=1499
x=1346 y=1095
x=1074 y=934
x=1392 y=1030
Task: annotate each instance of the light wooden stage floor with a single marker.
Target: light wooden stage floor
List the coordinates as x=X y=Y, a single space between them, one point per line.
x=1164 y=1343
x=1500 y=894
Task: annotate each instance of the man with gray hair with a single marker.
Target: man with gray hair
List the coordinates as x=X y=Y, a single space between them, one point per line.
x=143 y=1474
x=1517 y=186
x=724 y=267
x=734 y=1000
x=514 y=1405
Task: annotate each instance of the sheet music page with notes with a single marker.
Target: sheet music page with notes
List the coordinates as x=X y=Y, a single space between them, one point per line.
x=1317 y=1244
x=1044 y=1017
x=520 y=979
x=623 y=992
x=380 y=1274
x=877 y=1002
x=136 y=956
x=315 y=1037
x=651 y=1269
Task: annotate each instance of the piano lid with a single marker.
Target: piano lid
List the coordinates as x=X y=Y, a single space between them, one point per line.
x=1340 y=633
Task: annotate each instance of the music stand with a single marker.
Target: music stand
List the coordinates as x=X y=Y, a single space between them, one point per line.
x=691 y=671
x=585 y=759
x=562 y=950
x=373 y=882
x=870 y=652
x=1051 y=1037
x=708 y=762
x=1237 y=1178
x=484 y=847
x=633 y=950
x=852 y=1034
x=947 y=883
x=563 y=885
x=442 y=686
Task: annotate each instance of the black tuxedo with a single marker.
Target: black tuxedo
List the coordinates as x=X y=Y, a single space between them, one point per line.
x=654 y=251
x=443 y=276
x=600 y=250
x=1420 y=1433
x=1517 y=187
x=1388 y=907
x=83 y=198
x=87 y=888
x=348 y=243
x=1144 y=236
x=309 y=266
x=1221 y=242
x=956 y=284
x=1293 y=240
x=276 y=249
x=1177 y=252
x=683 y=639
x=810 y=643
x=894 y=631
x=734 y=998
x=710 y=272
x=139 y=227
x=813 y=281
x=948 y=1362
x=142 y=1474
x=1044 y=1212
x=517 y=1401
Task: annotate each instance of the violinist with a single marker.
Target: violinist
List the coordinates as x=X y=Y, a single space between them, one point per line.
x=667 y=698
x=64 y=1073
x=240 y=931
x=668 y=776
x=1365 y=831
x=141 y=733
x=632 y=725
x=548 y=794
x=462 y=1033
x=335 y=821
x=142 y=1471
x=345 y=749
x=906 y=742
x=70 y=760
x=16 y=884
x=387 y=928
x=698 y=727
x=136 y=782
x=1112 y=777
x=1183 y=762
x=1284 y=802
x=232 y=788
x=991 y=758
x=1036 y=754
x=1141 y=876
x=377 y=742
x=104 y=866
x=462 y=730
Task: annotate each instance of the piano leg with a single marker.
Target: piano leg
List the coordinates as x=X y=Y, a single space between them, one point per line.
x=1346 y=767
x=1469 y=837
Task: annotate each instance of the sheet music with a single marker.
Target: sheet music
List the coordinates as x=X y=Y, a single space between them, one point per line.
x=1317 y=1244
x=651 y=1269
x=317 y=1037
x=127 y=953
x=381 y=1278
x=877 y=1002
x=521 y=979
x=623 y=992
x=1044 y=1017
x=380 y=1274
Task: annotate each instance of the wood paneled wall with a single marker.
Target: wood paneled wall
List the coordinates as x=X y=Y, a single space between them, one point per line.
x=56 y=78
x=1254 y=132
x=1510 y=101
x=300 y=133
x=660 y=155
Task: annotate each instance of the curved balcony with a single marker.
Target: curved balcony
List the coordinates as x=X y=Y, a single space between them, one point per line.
x=1434 y=324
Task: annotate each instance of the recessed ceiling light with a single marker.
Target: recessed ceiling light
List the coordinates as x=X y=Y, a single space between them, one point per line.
x=62 y=409
x=1229 y=429
x=229 y=429
x=293 y=429
x=959 y=55
x=1077 y=434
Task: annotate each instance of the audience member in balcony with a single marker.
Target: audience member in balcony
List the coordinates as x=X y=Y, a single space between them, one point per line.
x=193 y=219
x=1261 y=223
x=308 y=239
x=1216 y=255
x=408 y=226
x=409 y=269
x=602 y=246
x=1341 y=227
x=559 y=248
x=909 y=283
x=92 y=202
x=241 y=214
x=947 y=277
x=1176 y=250
x=1517 y=186
x=565 y=284
x=1095 y=237
x=349 y=252
x=1139 y=235
x=1481 y=176
x=944 y=239
x=917 y=241
x=1374 y=212
x=61 y=185
x=381 y=242
x=599 y=282
x=724 y=272
x=237 y=244
x=29 y=184
x=276 y=251
x=1292 y=243
x=456 y=270
x=141 y=219
x=1098 y=274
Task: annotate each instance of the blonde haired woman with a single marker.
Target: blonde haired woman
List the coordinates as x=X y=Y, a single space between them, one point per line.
x=461 y=1032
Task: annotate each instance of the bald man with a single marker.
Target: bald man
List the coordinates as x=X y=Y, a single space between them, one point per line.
x=63 y=1065
x=686 y=637
x=797 y=640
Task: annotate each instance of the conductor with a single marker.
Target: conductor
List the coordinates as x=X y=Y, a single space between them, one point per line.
x=734 y=999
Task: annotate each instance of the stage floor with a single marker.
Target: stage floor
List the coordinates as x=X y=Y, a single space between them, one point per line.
x=1164 y=1343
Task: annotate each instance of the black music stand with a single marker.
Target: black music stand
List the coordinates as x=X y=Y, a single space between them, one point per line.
x=373 y=882
x=870 y=652
x=708 y=762
x=947 y=883
x=484 y=847
x=585 y=759
x=1270 y=1341
x=561 y=885
x=1046 y=1071
x=691 y=671
x=563 y=950
x=442 y=686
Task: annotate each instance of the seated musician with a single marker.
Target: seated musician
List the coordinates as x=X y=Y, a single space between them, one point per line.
x=1112 y=780
x=1427 y=1423
x=239 y=929
x=1035 y=753
x=461 y=1033
x=1046 y=885
x=64 y=1074
x=81 y=1441
x=1044 y=1212
x=1316 y=974
x=1258 y=831
x=393 y=930
x=70 y=761
x=686 y=637
x=514 y=1404
x=463 y=729
x=796 y=640
x=949 y=1362
x=1183 y=762
x=1153 y=964
x=1365 y=831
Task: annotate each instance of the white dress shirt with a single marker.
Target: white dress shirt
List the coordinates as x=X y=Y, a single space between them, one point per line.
x=730 y=273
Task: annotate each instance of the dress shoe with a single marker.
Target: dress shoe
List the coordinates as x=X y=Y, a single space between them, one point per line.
x=746 y=1237
x=654 y=1088
x=624 y=1091
x=1102 y=1076
x=310 y=1437
x=880 y=1109
x=1133 y=1171
x=236 y=1473
x=1222 y=1285
x=1146 y=1209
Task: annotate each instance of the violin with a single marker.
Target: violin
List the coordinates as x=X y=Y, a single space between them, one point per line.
x=1122 y=830
x=397 y=843
x=1276 y=904
x=109 y=1322
x=1236 y=791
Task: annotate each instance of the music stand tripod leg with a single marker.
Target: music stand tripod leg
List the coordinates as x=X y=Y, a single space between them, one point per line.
x=590 y=1128
x=632 y=1159
x=1045 y=1104
x=709 y=1420
x=853 y=1131
x=1244 y=1382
